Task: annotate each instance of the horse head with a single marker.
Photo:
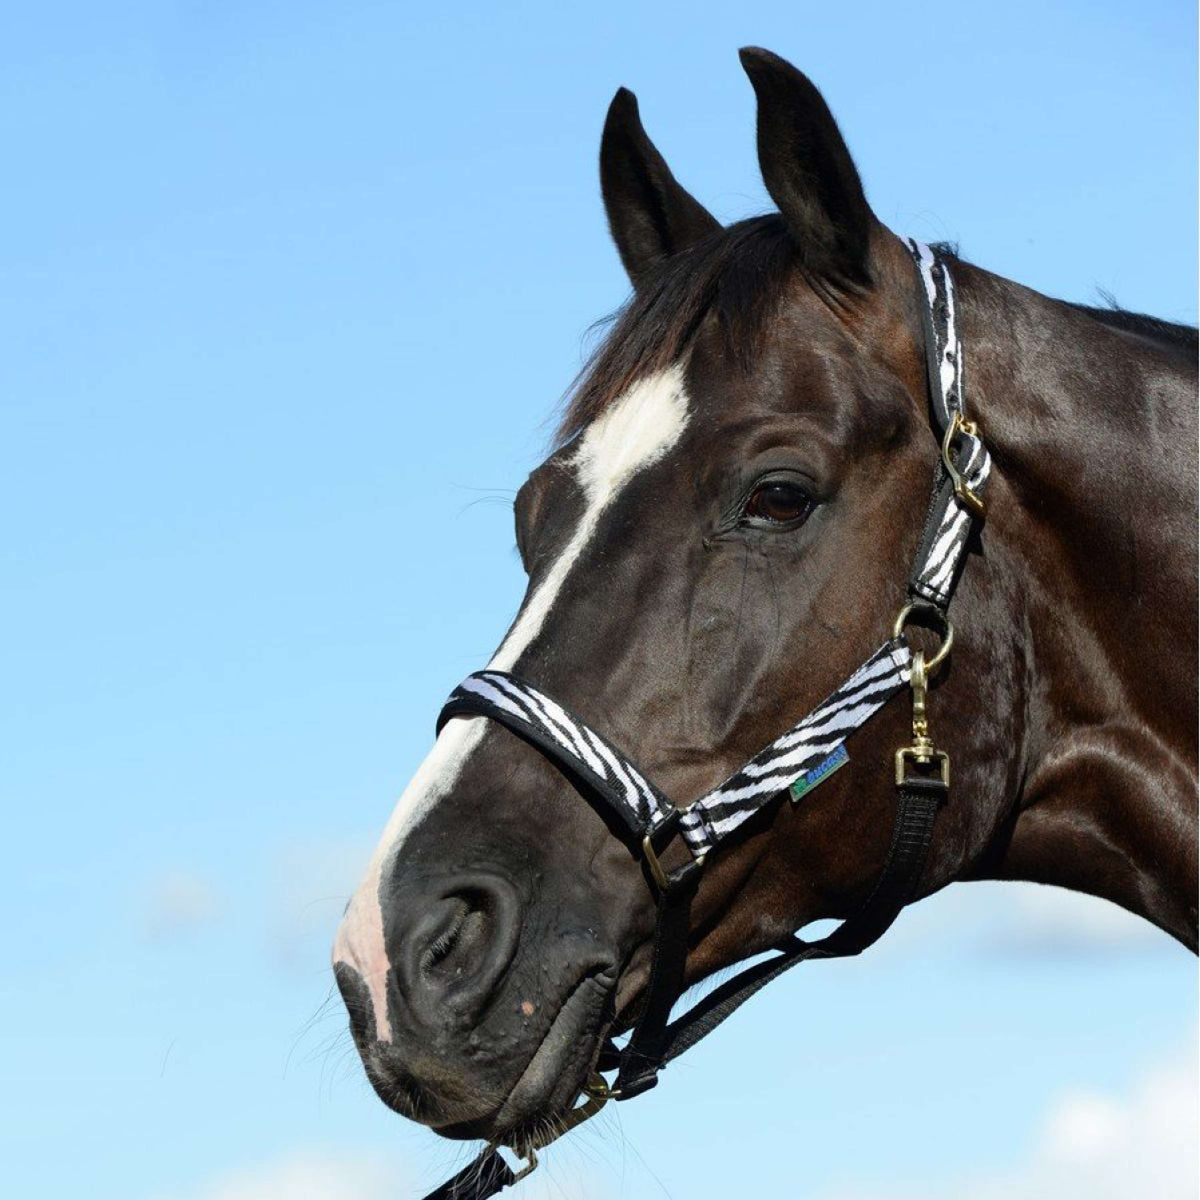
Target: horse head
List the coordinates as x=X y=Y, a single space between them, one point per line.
x=722 y=531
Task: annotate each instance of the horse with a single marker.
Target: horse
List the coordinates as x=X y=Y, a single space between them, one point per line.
x=721 y=533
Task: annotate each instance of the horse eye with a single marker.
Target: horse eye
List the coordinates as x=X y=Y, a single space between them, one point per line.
x=778 y=502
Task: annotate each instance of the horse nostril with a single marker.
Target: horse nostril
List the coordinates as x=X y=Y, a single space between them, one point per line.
x=450 y=954
x=454 y=952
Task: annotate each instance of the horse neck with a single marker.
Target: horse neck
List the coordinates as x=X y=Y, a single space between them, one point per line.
x=1091 y=534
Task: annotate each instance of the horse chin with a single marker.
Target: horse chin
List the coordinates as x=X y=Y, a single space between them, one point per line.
x=555 y=1073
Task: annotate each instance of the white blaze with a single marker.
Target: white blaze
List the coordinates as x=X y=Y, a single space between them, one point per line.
x=634 y=432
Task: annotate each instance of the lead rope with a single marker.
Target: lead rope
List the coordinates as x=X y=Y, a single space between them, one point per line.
x=796 y=761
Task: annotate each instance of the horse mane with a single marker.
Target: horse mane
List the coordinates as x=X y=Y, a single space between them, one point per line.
x=738 y=273
x=1111 y=313
x=1184 y=336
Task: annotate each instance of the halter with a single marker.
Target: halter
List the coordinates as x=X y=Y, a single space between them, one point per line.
x=795 y=762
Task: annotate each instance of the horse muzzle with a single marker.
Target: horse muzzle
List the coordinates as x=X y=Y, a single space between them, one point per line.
x=493 y=1013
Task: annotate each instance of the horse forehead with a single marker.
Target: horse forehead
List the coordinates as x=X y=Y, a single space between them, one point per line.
x=633 y=433
x=806 y=377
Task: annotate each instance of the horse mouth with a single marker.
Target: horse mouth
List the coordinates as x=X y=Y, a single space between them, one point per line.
x=556 y=1071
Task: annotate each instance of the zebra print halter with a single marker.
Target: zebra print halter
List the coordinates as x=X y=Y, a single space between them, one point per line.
x=795 y=762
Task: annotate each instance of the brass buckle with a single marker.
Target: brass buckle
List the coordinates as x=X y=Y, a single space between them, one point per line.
x=924 y=758
x=962 y=489
x=656 y=870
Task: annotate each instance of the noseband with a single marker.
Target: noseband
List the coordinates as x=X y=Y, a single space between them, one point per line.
x=795 y=762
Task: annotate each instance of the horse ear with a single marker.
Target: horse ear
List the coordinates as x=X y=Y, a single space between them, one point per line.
x=809 y=172
x=651 y=216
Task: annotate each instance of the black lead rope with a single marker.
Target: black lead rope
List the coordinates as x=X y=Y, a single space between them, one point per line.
x=655 y=1043
x=479 y=1179
x=796 y=762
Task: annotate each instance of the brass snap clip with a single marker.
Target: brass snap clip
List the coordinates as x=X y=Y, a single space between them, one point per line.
x=923 y=754
x=598 y=1094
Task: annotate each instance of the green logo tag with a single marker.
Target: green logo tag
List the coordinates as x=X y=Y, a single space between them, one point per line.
x=819 y=773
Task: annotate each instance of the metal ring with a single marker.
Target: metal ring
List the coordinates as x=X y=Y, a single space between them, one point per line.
x=943 y=650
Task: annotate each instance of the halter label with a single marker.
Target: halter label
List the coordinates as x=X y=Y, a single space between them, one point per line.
x=819 y=773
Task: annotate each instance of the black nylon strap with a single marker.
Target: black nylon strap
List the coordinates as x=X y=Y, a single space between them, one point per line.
x=479 y=1179
x=643 y=1056
x=918 y=801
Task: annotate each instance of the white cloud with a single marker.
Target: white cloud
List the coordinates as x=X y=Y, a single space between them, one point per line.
x=1022 y=919
x=307 y=1175
x=1052 y=920
x=1094 y=1146
x=1106 y=1148
x=180 y=902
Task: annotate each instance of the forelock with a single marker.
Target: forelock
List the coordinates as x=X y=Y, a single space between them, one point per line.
x=738 y=274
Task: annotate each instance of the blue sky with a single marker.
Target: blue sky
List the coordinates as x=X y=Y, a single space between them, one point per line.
x=290 y=292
